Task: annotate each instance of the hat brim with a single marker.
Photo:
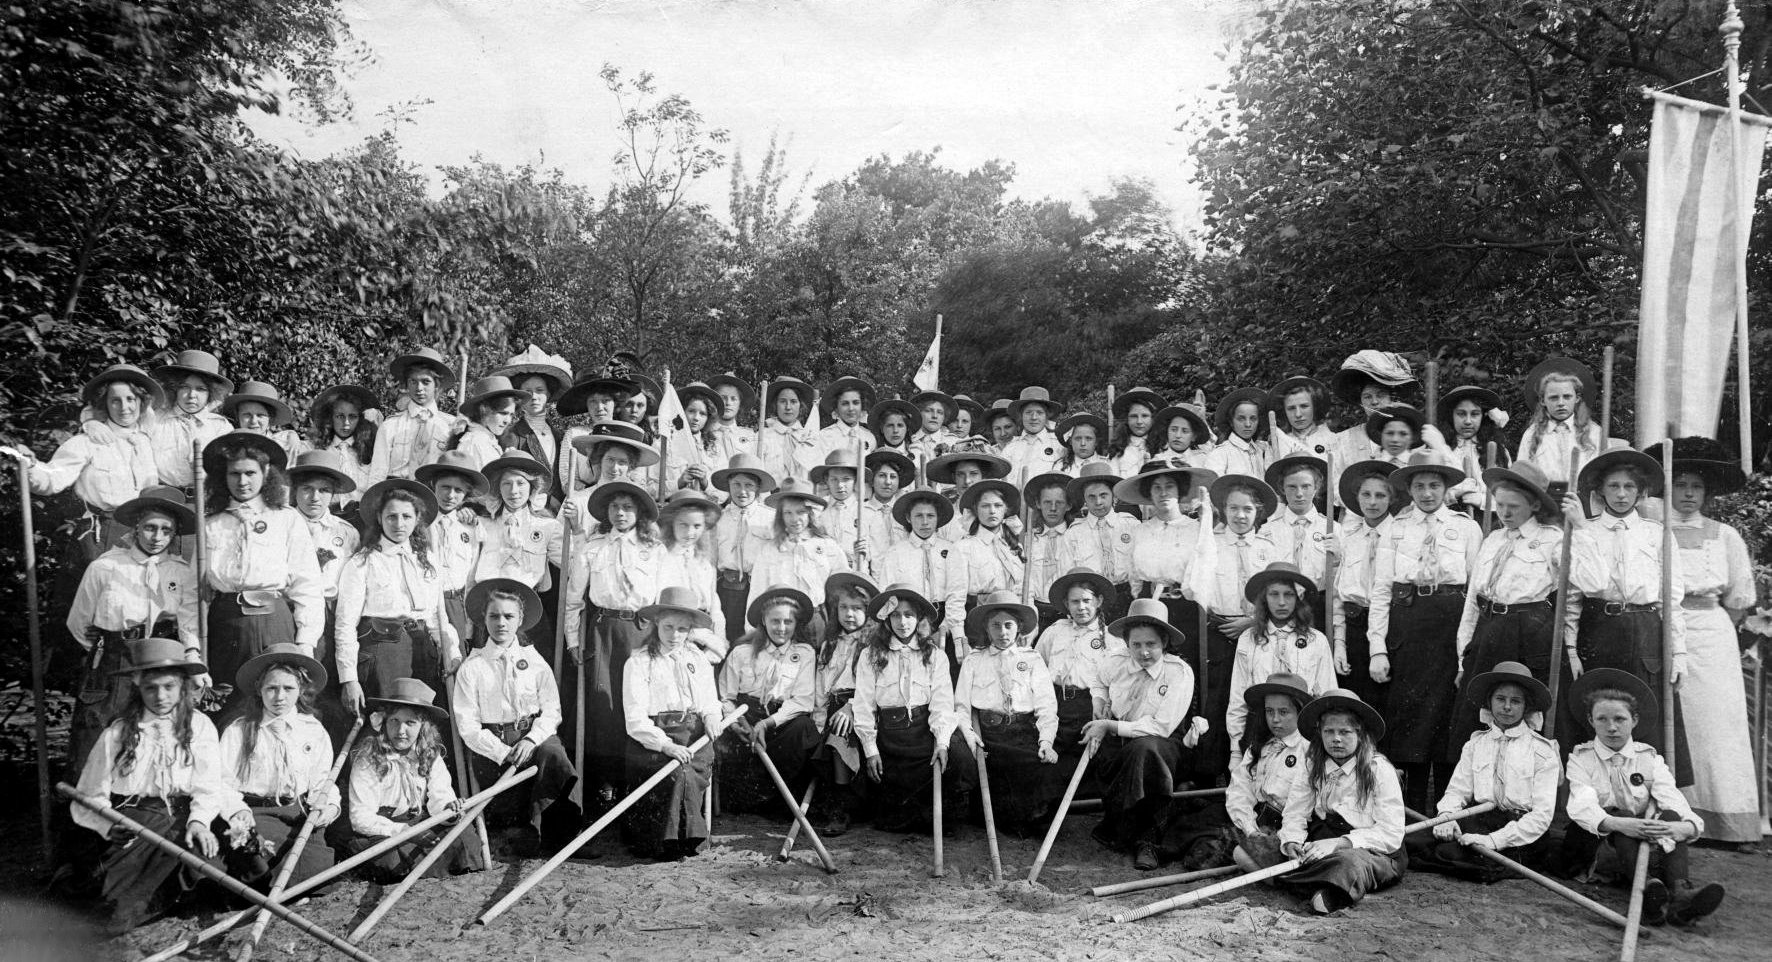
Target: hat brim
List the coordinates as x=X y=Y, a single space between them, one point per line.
x=370 y=506
x=941 y=470
x=597 y=503
x=1025 y=618
x=528 y=465
x=187 y=667
x=577 y=398
x=1401 y=477
x=1160 y=424
x=1648 y=729
x=1354 y=475
x=1220 y=491
x=807 y=495
x=129 y=375
x=131 y=512
x=273 y=452
x=877 y=413
x=401 y=366
x=747 y=395
x=557 y=378
x=1053 y=408
x=1347 y=383
x=1131 y=490
x=429 y=473
x=753 y=614
x=1593 y=473
x=905 y=467
x=1276 y=397
x=1259 y=581
x=1720 y=477
x=342 y=483
x=765 y=480
x=821 y=471
x=891 y=596
x=1255 y=695
x=1559 y=365
x=1073 y=421
x=1060 y=591
x=651 y=614
x=1485 y=398
x=167 y=373
x=1172 y=634
x=694 y=501
x=901 y=509
x=1478 y=689
x=1375 y=422
x=708 y=397
x=389 y=705
x=1151 y=399
x=1011 y=496
x=282 y=415
x=1548 y=508
x=1075 y=488
x=470 y=408
x=849 y=581
x=1227 y=407
x=1313 y=713
x=587 y=444
x=246 y=679
x=828 y=401
x=480 y=596
x=808 y=394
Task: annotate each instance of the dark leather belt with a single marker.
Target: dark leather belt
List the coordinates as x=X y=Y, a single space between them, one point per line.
x=1068 y=692
x=1613 y=609
x=901 y=717
x=619 y=614
x=666 y=719
x=1001 y=719
x=457 y=594
x=1406 y=591
x=519 y=727
x=268 y=801
x=1496 y=608
x=732 y=577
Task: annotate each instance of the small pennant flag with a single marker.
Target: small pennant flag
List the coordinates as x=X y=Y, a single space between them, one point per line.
x=673 y=427
x=929 y=372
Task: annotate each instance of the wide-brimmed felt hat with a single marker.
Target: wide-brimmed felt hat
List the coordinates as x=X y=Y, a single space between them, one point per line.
x=999 y=406
x=1030 y=492
x=1276 y=473
x=877 y=414
x=1278 y=683
x=1220 y=490
x=901 y=508
x=1277 y=571
x=1000 y=601
x=1195 y=418
x=161 y=498
x=1341 y=699
x=370 y=507
x=1593 y=473
x=155 y=654
x=1276 y=395
x=535 y=362
x=1354 y=475
x=1131 y=490
x=1152 y=612
x=754 y=611
x=795 y=488
x=850 y=581
x=1705 y=458
x=684 y=499
x=515 y=459
x=808 y=394
x=647 y=386
x=827 y=399
x=1485 y=398
x=325 y=463
x=480 y=596
x=201 y=363
x=1011 y=496
x=1062 y=585
x=1648 y=729
x=411 y=693
x=1361 y=368
x=1559 y=365
x=1098 y=472
x=258 y=392
x=747 y=392
x=1035 y=395
x=677 y=601
x=1138 y=395
x=597 y=502
x=247 y=678
x=921 y=400
x=1530 y=476
x=892 y=594
x=577 y=398
x=487 y=390
x=357 y=394
x=623 y=434
x=744 y=463
x=1478 y=689
x=1376 y=421
x=708 y=396
x=458 y=463
x=971 y=407
x=423 y=357
x=842 y=459
x=268 y=446
x=1071 y=422
x=1227 y=408
x=128 y=374
x=906 y=468
x=941 y=470
x=1424 y=461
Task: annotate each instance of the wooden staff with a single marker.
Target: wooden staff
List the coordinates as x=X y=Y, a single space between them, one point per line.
x=787 y=844
x=861 y=472
x=560 y=651
x=990 y=816
x=1426 y=823
x=1163 y=881
x=1200 y=895
x=1559 y=629
x=1201 y=624
x=437 y=851
x=940 y=870
x=464 y=775
x=461 y=389
x=1094 y=804
x=1541 y=879
x=200 y=478
x=609 y=817
x=1027 y=541
x=34 y=629
x=1670 y=605
x=1488 y=519
x=191 y=861
x=664 y=446
x=787 y=796
x=1606 y=398
x=1433 y=391
x=407 y=834
x=287 y=869
x=1109 y=440
x=1064 y=804
x=1633 y=921
x=1329 y=563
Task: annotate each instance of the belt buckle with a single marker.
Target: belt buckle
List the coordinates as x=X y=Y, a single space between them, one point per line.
x=1614 y=608
x=1496 y=608
x=1425 y=590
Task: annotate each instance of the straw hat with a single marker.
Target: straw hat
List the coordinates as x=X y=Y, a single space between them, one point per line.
x=515 y=459
x=1278 y=571
x=619 y=433
x=357 y=394
x=1361 y=368
x=535 y=362
x=795 y=488
x=806 y=392
x=1035 y=395
x=1355 y=475
x=1648 y=728
x=1132 y=490
x=1530 y=476
x=1486 y=399
x=577 y=398
x=892 y=594
x=877 y=414
x=842 y=458
x=1593 y=473
x=747 y=393
x=906 y=468
x=849 y=581
x=971 y=407
x=1707 y=459
x=1011 y=496
x=1559 y=365
x=1425 y=461
x=1227 y=407
x=941 y=469
x=1071 y=422
x=950 y=407
x=597 y=503
x=1275 y=475
x=1278 y=683
x=708 y=396
x=1195 y=418
x=1099 y=472
x=1376 y=421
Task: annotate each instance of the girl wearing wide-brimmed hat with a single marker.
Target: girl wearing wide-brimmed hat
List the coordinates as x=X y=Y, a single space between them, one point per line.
x=418 y=435
x=799 y=554
x=1132 y=443
x=745 y=525
x=490 y=407
x=1561 y=393
x=1004 y=707
x=1370 y=502
x=541 y=377
x=991 y=550
x=694 y=467
x=1167 y=548
x=686 y=524
x=1283 y=638
x=1075 y=649
x=786 y=444
x=1036 y=449
x=1240 y=421
x=195 y=388
x=608 y=451
x=337 y=423
x=1272 y=761
x=1470 y=418
x=847 y=597
x=930 y=437
x=258 y=407
x=1182 y=436
x=1369 y=380
x=730 y=437
x=892 y=422
x=772 y=671
x=928 y=564
x=845 y=403
x=1084 y=436
x=1100 y=538
x=1301 y=533
x=519 y=541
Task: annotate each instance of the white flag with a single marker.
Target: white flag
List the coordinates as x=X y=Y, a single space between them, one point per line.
x=682 y=449
x=929 y=373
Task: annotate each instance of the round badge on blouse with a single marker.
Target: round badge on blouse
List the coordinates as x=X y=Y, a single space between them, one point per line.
x=1636 y=779
x=535 y=535
x=1096 y=644
x=522 y=664
x=1021 y=666
x=1049 y=450
x=1291 y=761
x=1300 y=643
x=818 y=549
x=260 y=528
x=944 y=552
x=1319 y=449
x=464 y=537
x=338 y=542
x=1125 y=537
x=794 y=659
x=1162 y=690
x=690 y=668
x=1451 y=534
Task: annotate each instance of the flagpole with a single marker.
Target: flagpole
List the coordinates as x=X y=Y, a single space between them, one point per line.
x=1731 y=30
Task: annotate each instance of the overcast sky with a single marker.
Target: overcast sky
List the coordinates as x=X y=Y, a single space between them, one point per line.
x=1072 y=93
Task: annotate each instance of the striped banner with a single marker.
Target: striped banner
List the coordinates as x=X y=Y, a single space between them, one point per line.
x=1691 y=253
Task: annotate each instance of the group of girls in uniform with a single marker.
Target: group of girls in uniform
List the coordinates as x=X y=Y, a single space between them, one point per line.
x=919 y=596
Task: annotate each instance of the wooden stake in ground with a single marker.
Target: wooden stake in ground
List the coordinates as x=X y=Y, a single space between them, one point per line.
x=1064 y=805
x=787 y=844
x=287 y=869
x=1559 y=656
x=191 y=861
x=600 y=824
x=1633 y=922
x=787 y=796
x=34 y=629
x=940 y=870
x=990 y=817
x=468 y=818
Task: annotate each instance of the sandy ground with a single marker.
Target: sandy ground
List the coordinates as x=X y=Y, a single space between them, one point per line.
x=736 y=901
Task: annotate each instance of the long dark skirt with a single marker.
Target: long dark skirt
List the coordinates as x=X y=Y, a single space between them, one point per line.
x=1185 y=616
x=1582 y=850
x=672 y=813
x=744 y=785
x=1429 y=854
x=1352 y=871
x=464 y=853
x=138 y=880
x=607 y=643
x=733 y=589
x=1423 y=643
x=1138 y=775
x=1023 y=788
x=278 y=825
x=391 y=648
x=1629 y=642
x=1359 y=658
x=235 y=637
x=1523 y=635
x=544 y=799
x=1075 y=709
x=1199 y=833
x=907 y=780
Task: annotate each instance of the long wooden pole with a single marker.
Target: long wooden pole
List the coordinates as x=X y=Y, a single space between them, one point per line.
x=787 y=844
x=1200 y=895
x=1330 y=562
x=1670 y=607
x=664 y=447
x=1027 y=541
x=191 y=861
x=437 y=851
x=1432 y=407
x=407 y=834
x=787 y=795
x=609 y=817
x=34 y=628
x=1064 y=805
x=1201 y=626
x=1731 y=30
x=1488 y=519
x=1606 y=361
x=1633 y=920
x=1094 y=804
x=861 y=501
x=1108 y=441
x=1559 y=655
x=1541 y=879
x=560 y=650
x=200 y=480
x=990 y=816
x=290 y=859
x=940 y=870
